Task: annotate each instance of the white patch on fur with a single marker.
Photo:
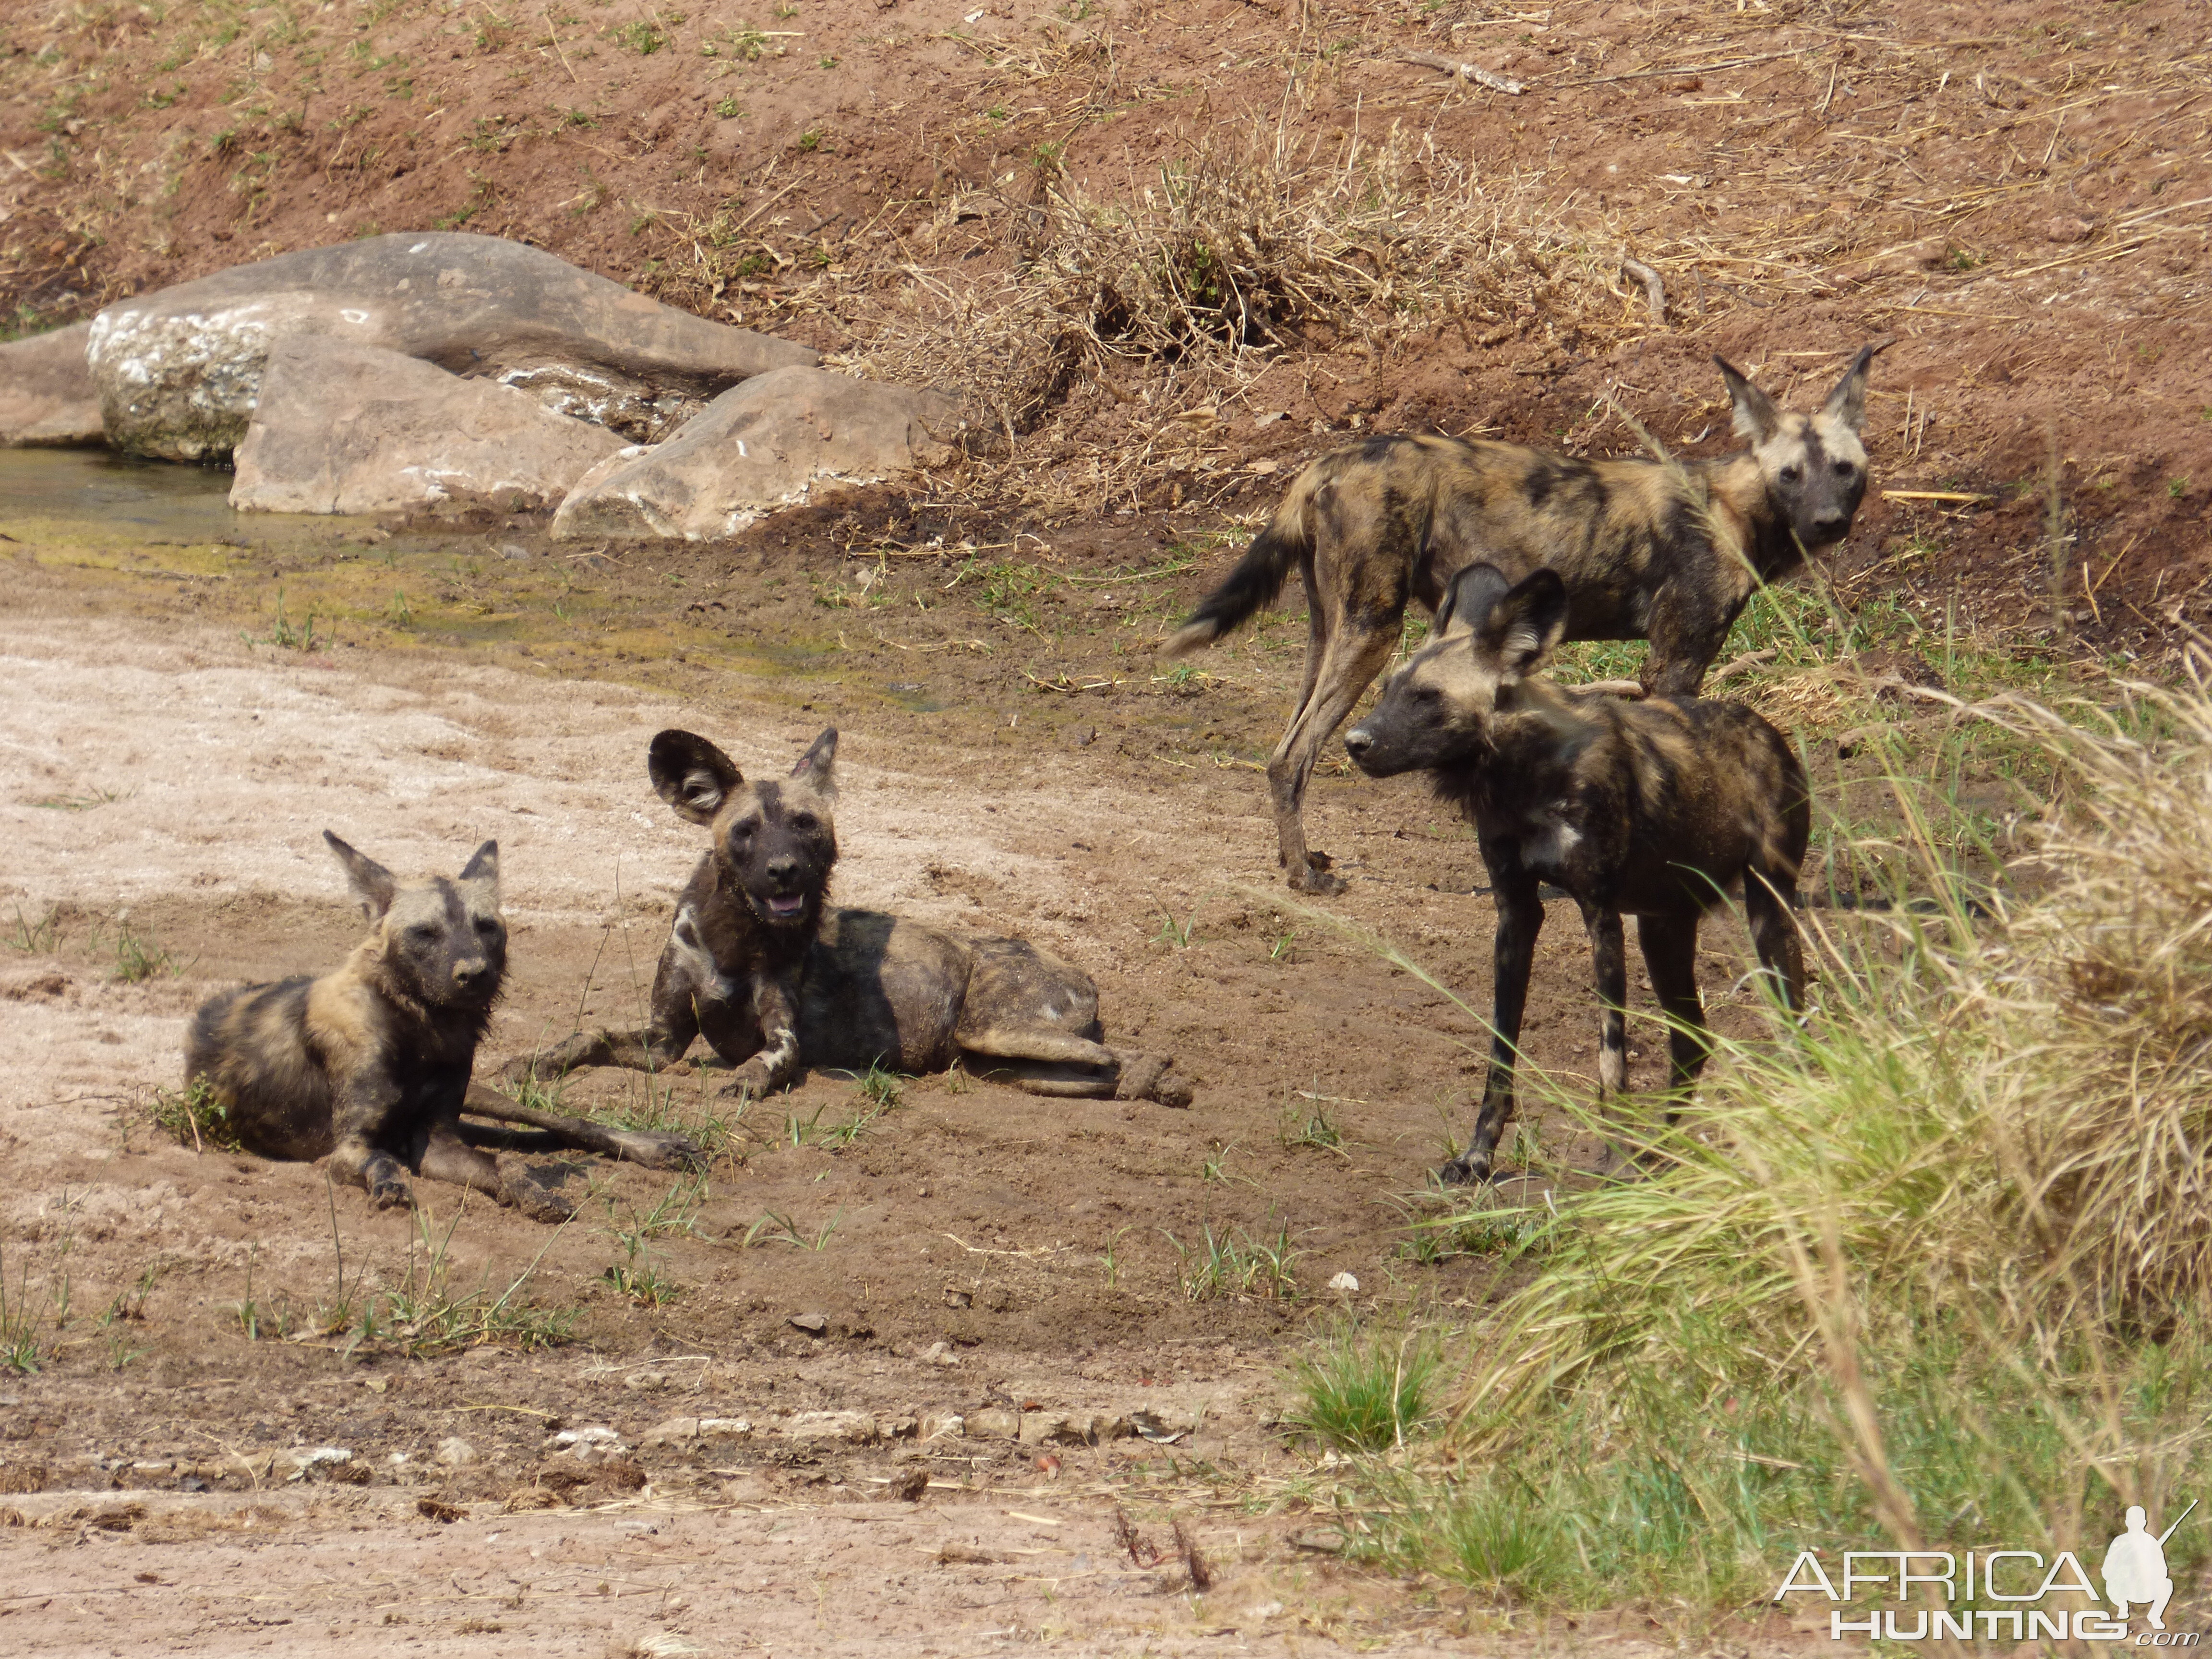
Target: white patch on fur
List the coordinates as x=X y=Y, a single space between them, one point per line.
x=1612 y=1065
x=1836 y=437
x=1553 y=841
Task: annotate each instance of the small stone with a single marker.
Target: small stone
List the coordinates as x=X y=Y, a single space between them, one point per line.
x=812 y=1323
x=643 y=1381
x=908 y=1488
x=726 y=1428
x=513 y=550
x=940 y=1425
x=1344 y=1282
x=853 y=1428
x=454 y=1451
x=994 y=1423
x=940 y=1353
x=675 y=1431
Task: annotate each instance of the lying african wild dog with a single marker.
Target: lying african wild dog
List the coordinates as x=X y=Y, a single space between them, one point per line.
x=369 y=1065
x=1658 y=549
x=775 y=976
x=1656 y=808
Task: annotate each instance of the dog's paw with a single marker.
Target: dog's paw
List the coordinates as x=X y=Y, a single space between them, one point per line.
x=537 y=1203
x=750 y=1081
x=1315 y=878
x=390 y=1195
x=1466 y=1170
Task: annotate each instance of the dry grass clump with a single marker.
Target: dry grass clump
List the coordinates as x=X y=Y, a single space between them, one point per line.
x=1241 y=251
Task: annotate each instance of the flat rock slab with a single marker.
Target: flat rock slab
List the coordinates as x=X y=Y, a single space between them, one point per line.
x=47 y=394
x=759 y=446
x=353 y=428
x=177 y=371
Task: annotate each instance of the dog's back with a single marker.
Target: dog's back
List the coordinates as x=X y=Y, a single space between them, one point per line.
x=252 y=1047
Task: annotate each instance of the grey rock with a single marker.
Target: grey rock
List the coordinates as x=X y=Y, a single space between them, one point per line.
x=177 y=372
x=812 y=1323
x=47 y=394
x=852 y=1428
x=453 y=1452
x=762 y=446
x=351 y=429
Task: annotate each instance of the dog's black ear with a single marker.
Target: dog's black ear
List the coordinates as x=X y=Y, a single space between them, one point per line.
x=1525 y=624
x=691 y=775
x=816 y=765
x=371 y=883
x=1847 y=403
x=484 y=864
x=1756 y=416
x=1468 y=597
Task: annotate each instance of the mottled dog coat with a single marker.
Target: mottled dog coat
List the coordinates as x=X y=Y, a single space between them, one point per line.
x=368 y=1065
x=1647 y=549
x=774 y=977
x=1657 y=808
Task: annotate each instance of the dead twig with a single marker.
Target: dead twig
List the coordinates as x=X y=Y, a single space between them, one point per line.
x=1653 y=291
x=1471 y=72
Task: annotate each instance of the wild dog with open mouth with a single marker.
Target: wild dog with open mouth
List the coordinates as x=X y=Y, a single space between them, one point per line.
x=1666 y=551
x=774 y=977
x=1656 y=808
x=368 y=1065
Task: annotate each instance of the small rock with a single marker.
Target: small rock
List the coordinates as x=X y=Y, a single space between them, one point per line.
x=589 y=1442
x=994 y=1423
x=2068 y=227
x=1073 y=1428
x=444 y=1514
x=675 y=1431
x=908 y=1488
x=513 y=550
x=940 y=1353
x=643 y=1381
x=300 y=1461
x=812 y=1323
x=853 y=1428
x=940 y=1425
x=726 y=1428
x=637 y=1528
x=1344 y=1282
x=1158 y=1429
x=454 y=1451
x=958 y=1298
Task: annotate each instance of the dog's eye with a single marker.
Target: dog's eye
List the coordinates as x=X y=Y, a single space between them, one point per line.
x=743 y=831
x=487 y=925
x=421 y=934
x=806 y=822
x=1426 y=694
x=1791 y=474
x=1844 y=469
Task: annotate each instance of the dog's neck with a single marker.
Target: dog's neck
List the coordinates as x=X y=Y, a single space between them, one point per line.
x=1744 y=509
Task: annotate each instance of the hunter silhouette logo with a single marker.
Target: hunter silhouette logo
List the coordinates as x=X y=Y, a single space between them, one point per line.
x=2135 y=1567
x=2135 y=1575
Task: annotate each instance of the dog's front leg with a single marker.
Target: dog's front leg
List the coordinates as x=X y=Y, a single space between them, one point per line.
x=1520 y=919
x=362 y=1128
x=775 y=1004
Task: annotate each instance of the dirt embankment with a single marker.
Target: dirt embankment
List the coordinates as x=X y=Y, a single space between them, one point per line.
x=2017 y=194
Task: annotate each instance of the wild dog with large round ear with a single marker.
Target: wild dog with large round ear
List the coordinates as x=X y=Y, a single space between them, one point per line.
x=1657 y=809
x=774 y=976
x=369 y=1064
x=1651 y=548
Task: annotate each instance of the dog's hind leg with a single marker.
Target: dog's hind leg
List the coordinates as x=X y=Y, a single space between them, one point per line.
x=446 y=1156
x=1354 y=653
x=1049 y=1063
x=654 y=1150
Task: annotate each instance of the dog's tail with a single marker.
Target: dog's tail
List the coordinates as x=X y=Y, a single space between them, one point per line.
x=1259 y=575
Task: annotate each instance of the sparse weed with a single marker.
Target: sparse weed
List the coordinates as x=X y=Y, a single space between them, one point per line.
x=138 y=958
x=776 y=1228
x=283 y=634
x=19 y=1322
x=35 y=938
x=1235 y=1263
x=193 y=1117
x=1110 y=1259
x=424 y=1315
x=1306 y=1123
x=1178 y=935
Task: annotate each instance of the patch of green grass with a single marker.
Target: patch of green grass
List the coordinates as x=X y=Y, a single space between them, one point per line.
x=1306 y=1123
x=1176 y=933
x=138 y=958
x=426 y=1314
x=19 y=1351
x=1369 y=1392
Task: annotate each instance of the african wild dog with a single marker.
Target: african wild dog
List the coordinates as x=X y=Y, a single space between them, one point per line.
x=1657 y=808
x=1664 y=550
x=369 y=1065
x=774 y=977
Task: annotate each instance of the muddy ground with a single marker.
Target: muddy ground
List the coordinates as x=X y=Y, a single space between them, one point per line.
x=2017 y=194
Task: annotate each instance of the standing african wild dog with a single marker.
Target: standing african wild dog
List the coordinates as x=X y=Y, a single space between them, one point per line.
x=1656 y=808
x=775 y=977
x=1649 y=549
x=369 y=1065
